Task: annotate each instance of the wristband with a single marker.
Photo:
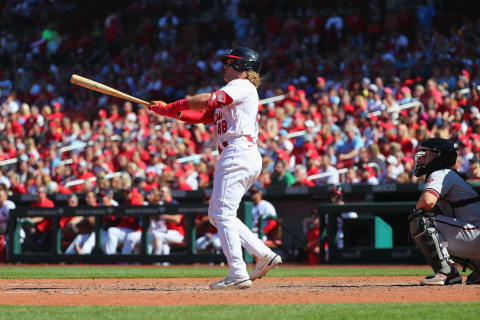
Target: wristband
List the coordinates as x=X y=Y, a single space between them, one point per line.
x=178 y=105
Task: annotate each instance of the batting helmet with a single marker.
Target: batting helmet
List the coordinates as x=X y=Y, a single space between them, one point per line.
x=243 y=59
x=434 y=154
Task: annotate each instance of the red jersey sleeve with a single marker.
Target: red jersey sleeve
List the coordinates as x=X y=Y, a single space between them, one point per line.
x=219 y=99
x=194 y=116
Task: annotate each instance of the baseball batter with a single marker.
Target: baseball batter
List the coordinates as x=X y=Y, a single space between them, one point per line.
x=233 y=110
x=445 y=224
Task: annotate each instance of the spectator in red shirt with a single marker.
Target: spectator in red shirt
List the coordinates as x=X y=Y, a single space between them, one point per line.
x=70 y=225
x=404 y=139
x=17 y=187
x=57 y=113
x=41 y=235
x=114 y=115
x=151 y=181
x=83 y=173
x=313 y=245
x=431 y=91
x=181 y=183
x=292 y=97
x=301 y=178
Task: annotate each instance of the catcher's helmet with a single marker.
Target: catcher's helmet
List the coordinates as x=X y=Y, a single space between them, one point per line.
x=434 y=154
x=243 y=59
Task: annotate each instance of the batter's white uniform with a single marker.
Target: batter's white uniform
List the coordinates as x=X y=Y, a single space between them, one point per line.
x=458 y=228
x=239 y=165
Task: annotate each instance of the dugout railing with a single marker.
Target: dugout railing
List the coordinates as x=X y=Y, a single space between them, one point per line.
x=187 y=254
x=369 y=233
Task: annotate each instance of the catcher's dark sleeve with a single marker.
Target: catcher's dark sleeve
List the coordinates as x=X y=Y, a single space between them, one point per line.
x=194 y=116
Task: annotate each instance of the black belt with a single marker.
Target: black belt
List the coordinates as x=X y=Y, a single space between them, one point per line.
x=463 y=203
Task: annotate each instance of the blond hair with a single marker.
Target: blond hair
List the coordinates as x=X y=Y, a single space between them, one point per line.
x=253 y=77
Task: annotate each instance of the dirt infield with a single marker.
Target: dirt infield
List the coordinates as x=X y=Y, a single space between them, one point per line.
x=195 y=291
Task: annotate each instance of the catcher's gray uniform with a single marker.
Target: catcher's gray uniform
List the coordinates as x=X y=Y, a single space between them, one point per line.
x=458 y=227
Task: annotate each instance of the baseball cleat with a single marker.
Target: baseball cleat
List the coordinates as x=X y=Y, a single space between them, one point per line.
x=269 y=261
x=440 y=279
x=232 y=283
x=472 y=279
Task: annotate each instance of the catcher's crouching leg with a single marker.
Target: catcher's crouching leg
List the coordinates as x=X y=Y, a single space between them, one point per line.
x=425 y=236
x=474 y=276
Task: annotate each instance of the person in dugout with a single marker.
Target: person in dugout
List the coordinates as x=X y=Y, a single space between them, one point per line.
x=264 y=212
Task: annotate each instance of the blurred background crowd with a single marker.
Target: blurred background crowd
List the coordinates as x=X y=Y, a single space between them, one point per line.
x=345 y=67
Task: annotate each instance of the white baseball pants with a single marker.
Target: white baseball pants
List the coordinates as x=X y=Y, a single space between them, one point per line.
x=162 y=239
x=86 y=242
x=115 y=236
x=236 y=170
x=462 y=238
x=212 y=239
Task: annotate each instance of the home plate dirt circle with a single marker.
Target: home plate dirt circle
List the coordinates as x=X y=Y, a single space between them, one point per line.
x=194 y=291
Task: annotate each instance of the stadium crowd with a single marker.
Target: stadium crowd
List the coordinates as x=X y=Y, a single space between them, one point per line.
x=343 y=73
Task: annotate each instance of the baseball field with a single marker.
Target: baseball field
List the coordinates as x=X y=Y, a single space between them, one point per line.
x=181 y=292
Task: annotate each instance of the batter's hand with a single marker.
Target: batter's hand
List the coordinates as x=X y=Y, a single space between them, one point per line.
x=157 y=107
x=164 y=109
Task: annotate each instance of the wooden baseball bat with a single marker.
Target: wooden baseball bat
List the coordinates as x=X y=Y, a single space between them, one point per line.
x=93 y=85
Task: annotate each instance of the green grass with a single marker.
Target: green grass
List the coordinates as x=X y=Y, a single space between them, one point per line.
x=390 y=311
x=109 y=272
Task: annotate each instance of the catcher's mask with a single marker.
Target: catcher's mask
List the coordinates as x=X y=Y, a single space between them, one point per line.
x=434 y=154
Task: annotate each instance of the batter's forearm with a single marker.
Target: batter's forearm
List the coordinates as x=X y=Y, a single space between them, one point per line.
x=198 y=102
x=194 y=116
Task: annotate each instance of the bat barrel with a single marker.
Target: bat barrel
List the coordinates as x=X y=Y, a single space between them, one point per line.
x=99 y=87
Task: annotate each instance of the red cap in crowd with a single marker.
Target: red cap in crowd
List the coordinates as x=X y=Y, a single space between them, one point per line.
x=204 y=177
x=151 y=173
x=180 y=173
x=457 y=126
x=405 y=90
x=189 y=167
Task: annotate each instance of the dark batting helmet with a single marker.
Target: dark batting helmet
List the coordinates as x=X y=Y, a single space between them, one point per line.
x=434 y=154
x=243 y=59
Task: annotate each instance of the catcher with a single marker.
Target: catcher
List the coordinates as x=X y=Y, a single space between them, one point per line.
x=445 y=224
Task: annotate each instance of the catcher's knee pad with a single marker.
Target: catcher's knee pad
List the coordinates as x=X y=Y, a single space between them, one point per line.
x=425 y=236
